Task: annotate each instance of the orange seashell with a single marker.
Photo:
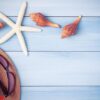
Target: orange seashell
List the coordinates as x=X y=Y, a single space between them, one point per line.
x=41 y=20
x=70 y=29
x=1 y=25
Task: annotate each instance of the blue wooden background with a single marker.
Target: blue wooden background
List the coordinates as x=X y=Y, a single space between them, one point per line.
x=57 y=69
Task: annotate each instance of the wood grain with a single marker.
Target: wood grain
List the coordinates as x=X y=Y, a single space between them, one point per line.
x=61 y=93
x=58 y=68
x=86 y=39
x=54 y=7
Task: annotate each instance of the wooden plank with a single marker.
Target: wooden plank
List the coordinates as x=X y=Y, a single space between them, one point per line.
x=58 y=68
x=61 y=93
x=86 y=39
x=54 y=7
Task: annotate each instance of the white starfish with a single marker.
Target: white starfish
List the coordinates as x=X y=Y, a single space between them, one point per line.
x=17 y=28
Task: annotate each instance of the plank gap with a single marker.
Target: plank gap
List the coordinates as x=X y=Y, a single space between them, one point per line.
x=53 y=51
x=62 y=86
x=58 y=16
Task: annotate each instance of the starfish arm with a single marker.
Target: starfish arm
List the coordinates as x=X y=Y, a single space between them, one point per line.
x=7 y=36
x=6 y=19
x=30 y=29
x=22 y=42
x=21 y=13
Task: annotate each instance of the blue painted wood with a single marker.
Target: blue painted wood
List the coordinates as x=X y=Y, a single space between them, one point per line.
x=54 y=7
x=86 y=39
x=58 y=68
x=60 y=93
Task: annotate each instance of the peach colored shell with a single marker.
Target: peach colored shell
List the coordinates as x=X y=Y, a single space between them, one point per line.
x=70 y=29
x=41 y=20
